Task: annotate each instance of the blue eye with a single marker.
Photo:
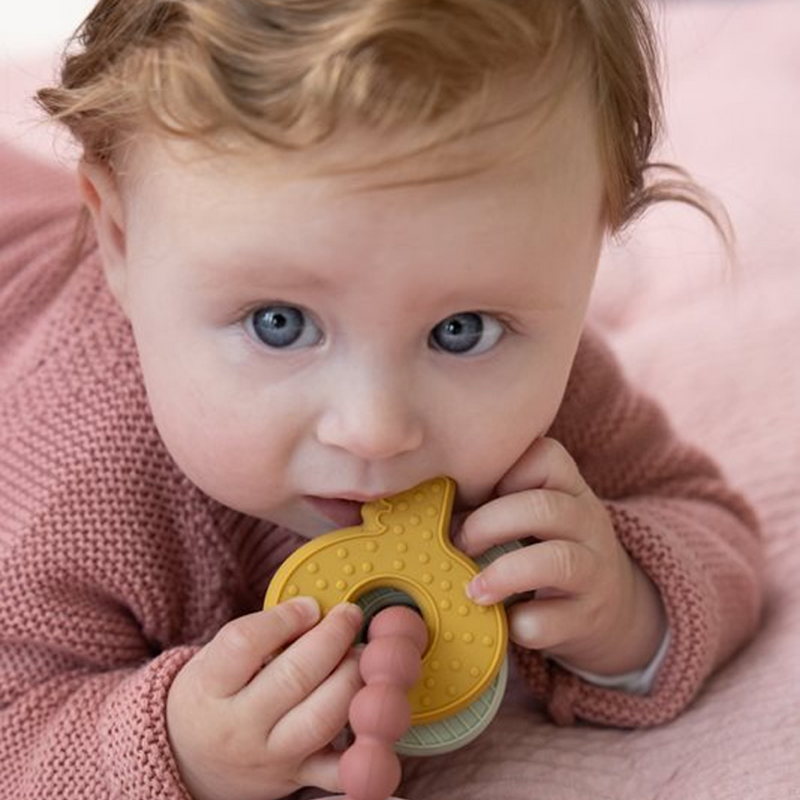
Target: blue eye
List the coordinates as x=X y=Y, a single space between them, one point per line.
x=468 y=332
x=283 y=327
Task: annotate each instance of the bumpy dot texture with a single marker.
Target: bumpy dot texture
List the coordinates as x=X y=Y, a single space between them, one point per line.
x=403 y=544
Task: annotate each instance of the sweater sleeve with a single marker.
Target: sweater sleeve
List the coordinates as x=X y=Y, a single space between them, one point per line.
x=103 y=599
x=70 y=731
x=83 y=681
x=695 y=537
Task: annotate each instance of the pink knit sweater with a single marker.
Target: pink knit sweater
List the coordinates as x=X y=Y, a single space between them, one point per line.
x=114 y=568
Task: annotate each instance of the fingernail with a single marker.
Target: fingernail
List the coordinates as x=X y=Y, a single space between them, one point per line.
x=525 y=629
x=477 y=591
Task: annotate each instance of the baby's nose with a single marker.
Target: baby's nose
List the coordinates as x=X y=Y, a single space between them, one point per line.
x=371 y=421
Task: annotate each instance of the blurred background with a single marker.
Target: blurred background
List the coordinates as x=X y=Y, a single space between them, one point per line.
x=32 y=33
x=38 y=25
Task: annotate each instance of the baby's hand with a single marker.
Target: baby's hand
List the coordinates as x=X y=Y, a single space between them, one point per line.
x=594 y=609
x=249 y=722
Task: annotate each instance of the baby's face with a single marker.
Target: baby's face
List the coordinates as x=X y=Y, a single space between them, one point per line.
x=310 y=340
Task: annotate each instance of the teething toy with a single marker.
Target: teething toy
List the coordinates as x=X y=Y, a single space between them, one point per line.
x=402 y=554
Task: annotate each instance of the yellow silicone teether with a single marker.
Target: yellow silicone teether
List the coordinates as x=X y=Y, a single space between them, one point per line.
x=403 y=544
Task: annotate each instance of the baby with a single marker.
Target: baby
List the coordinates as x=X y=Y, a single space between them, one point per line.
x=341 y=248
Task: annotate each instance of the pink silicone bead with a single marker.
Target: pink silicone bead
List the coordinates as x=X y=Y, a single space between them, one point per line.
x=391 y=660
x=402 y=622
x=380 y=712
x=369 y=771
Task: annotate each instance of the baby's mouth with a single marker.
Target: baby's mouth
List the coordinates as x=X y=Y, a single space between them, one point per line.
x=343 y=513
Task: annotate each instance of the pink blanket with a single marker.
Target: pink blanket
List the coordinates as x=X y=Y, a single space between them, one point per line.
x=720 y=348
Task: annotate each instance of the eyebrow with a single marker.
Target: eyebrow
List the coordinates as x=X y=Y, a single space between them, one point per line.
x=275 y=271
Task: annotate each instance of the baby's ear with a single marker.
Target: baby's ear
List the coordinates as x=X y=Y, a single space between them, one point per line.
x=100 y=192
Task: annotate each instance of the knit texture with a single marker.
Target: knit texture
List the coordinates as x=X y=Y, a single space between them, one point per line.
x=114 y=568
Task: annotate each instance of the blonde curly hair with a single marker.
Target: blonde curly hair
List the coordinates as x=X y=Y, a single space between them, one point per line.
x=289 y=72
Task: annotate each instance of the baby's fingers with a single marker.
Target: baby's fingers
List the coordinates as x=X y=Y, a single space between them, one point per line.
x=316 y=721
x=545 y=465
x=242 y=647
x=556 y=564
x=297 y=671
x=537 y=513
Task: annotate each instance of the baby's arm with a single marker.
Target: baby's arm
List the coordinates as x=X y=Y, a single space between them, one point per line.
x=690 y=544
x=211 y=720
x=73 y=723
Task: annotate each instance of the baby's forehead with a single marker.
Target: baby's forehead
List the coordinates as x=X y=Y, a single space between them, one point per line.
x=286 y=74
x=555 y=130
